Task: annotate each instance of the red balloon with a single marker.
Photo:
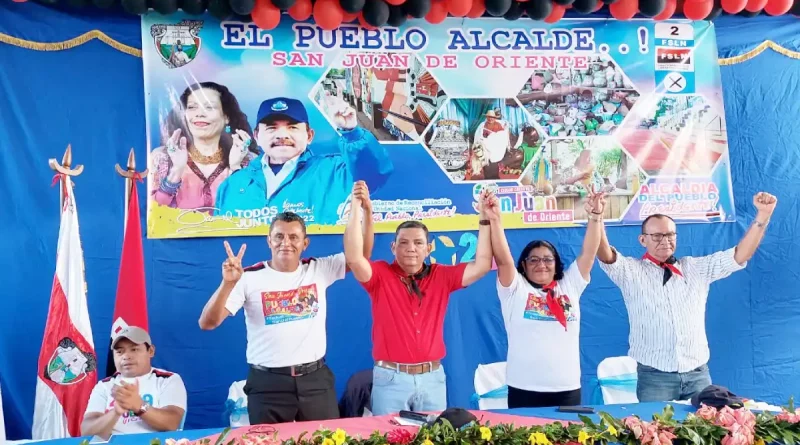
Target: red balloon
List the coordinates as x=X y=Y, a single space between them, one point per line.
x=328 y=14
x=599 y=6
x=697 y=10
x=778 y=7
x=395 y=2
x=556 y=14
x=755 y=5
x=20 y=1
x=478 y=8
x=733 y=6
x=437 y=13
x=266 y=15
x=669 y=10
x=301 y=10
x=624 y=9
x=459 y=8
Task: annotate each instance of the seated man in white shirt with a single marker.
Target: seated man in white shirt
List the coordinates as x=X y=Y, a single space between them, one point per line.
x=666 y=301
x=137 y=398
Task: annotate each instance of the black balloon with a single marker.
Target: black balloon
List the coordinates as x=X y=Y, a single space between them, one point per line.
x=138 y=7
x=715 y=11
x=417 y=8
x=376 y=12
x=283 y=4
x=651 y=8
x=538 y=9
x=243 y=7
x=396 y=16
x=352 y=6
x=194 y=7
x=165 y=7
x=563 y=2
x=104 y=4
x=78 y=3
x=220 y=9
x=499 y=8
x=514 y=11
x=584 y=6
x=748 y=14
x=795 y=8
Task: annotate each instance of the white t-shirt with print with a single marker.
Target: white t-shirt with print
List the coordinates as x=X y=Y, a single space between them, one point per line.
x=542 y=355
x=285 y=311
x=159 y=388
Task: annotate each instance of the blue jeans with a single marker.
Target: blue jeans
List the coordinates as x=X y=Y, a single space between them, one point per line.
x=658 y=386
x=393 y=391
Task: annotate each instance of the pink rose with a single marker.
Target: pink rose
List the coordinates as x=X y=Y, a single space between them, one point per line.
x=745 y=417
x=738 y=438
x=725 y=417
x=665 y=437
x=707 y=412
x=635 y=425
x=787 y=416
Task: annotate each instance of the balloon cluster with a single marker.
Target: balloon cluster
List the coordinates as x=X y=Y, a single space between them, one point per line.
x=330 y=14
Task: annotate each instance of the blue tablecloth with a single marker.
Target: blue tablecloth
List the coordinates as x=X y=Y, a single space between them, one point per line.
x=643 y=410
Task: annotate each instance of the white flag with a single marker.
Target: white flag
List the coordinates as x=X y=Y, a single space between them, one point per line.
x=67 y=361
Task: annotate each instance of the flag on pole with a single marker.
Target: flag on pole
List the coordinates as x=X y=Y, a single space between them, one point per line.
x=130 y=308
x=67 y=360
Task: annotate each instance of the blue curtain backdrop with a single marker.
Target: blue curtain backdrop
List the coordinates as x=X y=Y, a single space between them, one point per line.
x=92 y=97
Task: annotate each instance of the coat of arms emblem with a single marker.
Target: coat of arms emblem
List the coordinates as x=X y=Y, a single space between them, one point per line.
x=68 y=364
x=177 y=44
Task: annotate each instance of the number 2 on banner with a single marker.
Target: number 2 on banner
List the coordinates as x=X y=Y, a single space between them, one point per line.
x=673 y=31
x=470 y=241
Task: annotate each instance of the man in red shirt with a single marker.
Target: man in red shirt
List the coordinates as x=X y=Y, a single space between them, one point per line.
x=409 y=302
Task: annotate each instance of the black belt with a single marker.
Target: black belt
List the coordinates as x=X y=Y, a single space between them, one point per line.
x=294 y=371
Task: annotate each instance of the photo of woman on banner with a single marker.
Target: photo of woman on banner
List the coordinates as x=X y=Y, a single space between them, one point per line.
x=569 y=169
x=289 y=176
x=204 y=137
x=570 y=102
x=482 y=139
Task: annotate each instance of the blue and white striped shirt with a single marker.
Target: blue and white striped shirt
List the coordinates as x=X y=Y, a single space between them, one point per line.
x=668 y=322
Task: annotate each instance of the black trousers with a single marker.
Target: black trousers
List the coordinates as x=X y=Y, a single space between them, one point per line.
x=519 y=398
x=278 y=398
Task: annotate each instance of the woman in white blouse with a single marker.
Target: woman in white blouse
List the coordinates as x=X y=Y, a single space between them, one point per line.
x=540 y=304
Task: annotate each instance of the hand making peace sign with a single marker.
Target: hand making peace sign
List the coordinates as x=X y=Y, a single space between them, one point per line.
x=595 y=201
x=232 y=267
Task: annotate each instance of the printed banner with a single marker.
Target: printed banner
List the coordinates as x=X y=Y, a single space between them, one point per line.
x=244 y=123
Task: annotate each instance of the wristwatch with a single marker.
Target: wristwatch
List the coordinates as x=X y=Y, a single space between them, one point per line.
x=143 y=409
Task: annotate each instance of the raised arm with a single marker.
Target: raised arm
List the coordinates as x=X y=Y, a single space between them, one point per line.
x=215 y=312
x=506 y=269
x=605 y=253
x=354 y=244
x=369 y=225
x=765 y=204
x=595 y=205
x=483 y=256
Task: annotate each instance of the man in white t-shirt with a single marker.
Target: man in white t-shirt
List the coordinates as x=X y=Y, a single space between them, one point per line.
x=137 y=398
x=285 y=307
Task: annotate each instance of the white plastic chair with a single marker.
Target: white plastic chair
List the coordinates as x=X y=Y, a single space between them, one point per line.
x=491 y=391
x=616 y=381
x=236 y=405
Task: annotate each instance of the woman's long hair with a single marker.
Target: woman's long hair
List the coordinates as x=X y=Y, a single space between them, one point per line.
x=237 y=120
x=559 y=265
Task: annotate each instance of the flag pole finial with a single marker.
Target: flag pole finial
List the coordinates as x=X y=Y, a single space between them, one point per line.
x=130 y=172
x=66 y=163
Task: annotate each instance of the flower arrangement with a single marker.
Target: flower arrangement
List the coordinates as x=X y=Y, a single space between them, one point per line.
x=708 y=426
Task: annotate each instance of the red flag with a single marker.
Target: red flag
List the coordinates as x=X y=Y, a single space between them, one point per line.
x=67 y=361
x=130 y=308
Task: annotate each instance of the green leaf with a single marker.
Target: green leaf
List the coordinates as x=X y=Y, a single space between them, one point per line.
x=222 y=435
x=587 y=421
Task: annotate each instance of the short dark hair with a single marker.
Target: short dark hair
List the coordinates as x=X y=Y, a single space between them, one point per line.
x=654 y=216
x=411 y=225
x=288 y=217
x=533 y=245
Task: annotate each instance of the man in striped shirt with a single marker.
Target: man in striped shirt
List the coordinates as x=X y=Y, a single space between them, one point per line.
x=666 y=302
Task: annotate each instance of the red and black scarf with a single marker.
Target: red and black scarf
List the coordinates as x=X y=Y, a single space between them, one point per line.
x=412 y=281
x=668 y=265
x=553 y=304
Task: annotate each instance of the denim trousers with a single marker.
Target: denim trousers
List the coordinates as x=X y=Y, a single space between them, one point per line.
x=658 y=386
x=393 y=391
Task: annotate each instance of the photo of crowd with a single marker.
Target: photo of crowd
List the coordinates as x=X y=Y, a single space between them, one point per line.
x=675 y=135
x=483 y=139
x=569 y=168
x=394 y=104
x=579 y=102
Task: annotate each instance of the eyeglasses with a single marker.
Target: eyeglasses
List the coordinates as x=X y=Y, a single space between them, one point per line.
x=535 y=260
x=658 y=237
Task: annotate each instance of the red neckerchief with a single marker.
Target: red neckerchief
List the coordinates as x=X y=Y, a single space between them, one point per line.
x=668 y=266
x=552 y=303
x=412 y=280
